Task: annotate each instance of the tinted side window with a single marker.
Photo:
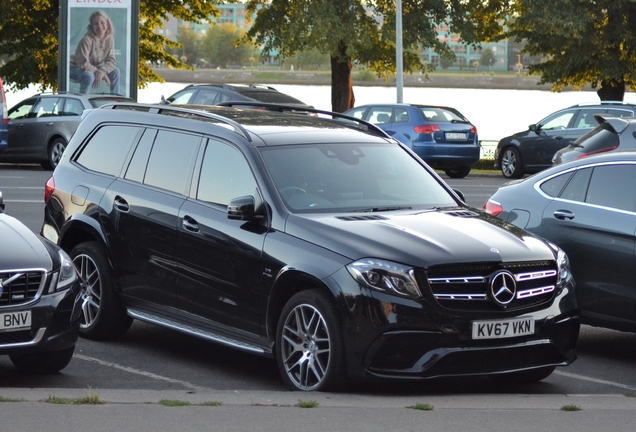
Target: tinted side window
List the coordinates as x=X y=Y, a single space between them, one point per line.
x=107 y=149
x=206 y=97
x=585 y=118
x=47 y=107
x=182 y=97
x=617 y=112
x=171 y=160
x=137 y=167
x=577 y=187
x=379 y=115
x=225 y=174
x=72 y=107
x=554 y=186
x=613 y=186
x=401 y=115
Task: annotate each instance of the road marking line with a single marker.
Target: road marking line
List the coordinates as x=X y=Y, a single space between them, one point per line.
x=139 y=372
x=594 y=380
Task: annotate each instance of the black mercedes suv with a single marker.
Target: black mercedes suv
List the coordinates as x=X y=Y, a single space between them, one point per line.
x=317 y=240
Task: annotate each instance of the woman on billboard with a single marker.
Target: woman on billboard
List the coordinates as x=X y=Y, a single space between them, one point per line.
x=94 y=59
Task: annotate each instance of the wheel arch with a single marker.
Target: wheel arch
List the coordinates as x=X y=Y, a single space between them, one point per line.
x=289 y=282
x=80 y=229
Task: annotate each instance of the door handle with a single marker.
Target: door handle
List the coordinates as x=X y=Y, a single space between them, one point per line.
x=558 y=138
x=190 y=224
x=564 y=214
x=121 y=204
x=49 y=124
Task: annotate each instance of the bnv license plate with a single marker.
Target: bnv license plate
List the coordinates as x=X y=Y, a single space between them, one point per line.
x=503 y=328
x=456 y=136
x=15 y=320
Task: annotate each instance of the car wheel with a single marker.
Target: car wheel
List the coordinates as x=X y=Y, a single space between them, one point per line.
x=43 y=362
x=310 y=349
x=523 y=377
x=460 y=172
x=511 y=164
x=103 y=316
x=56 y=149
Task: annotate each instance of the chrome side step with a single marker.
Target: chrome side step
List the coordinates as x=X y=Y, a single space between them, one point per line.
x=184 y=328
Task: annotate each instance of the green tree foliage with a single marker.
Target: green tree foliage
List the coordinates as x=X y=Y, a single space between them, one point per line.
x=29 y=38
x=585 y=42
x=222 y=46
x=487 y=58
x=349 y=33
x=189 y=41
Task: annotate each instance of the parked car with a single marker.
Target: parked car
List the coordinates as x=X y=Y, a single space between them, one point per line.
x=612 y=133
x=588 y=208
x=41 y=126
x=40 y=301
x=4 y=119
x=326 y=245
x=212 y=94
x=532 y=151
x=441 y=136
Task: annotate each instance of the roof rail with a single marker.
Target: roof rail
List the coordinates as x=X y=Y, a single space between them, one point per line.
x=178 y=111
x=617 y=102
x=302 y=109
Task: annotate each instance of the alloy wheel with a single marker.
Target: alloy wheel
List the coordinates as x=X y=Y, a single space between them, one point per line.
x=305 y=347
x=92 y=289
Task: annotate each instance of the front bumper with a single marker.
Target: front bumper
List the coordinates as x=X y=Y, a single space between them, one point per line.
x=54 y=324
x=391 y=337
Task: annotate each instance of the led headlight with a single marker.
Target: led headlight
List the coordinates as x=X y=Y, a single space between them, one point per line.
x=385 y=276
x=564 y=274
x=67 y=274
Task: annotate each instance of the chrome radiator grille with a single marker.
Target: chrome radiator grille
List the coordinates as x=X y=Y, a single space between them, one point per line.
x=493 y=287
x=20 y=286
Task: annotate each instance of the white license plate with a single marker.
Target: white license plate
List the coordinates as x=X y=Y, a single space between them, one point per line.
x=15 y=320
x=503 y=329
x=456 y=136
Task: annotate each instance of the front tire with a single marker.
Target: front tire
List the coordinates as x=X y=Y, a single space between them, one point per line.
x=43 y=362
x=103 y=315
x=458 y=173
x=511 y=163
x=309 y=345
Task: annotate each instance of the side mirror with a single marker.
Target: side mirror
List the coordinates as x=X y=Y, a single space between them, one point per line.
x=534 y=127
x=460 y=195
x=241 y=208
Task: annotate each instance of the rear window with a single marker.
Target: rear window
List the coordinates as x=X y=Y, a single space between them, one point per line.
x=440 y=115
x=271 y=97
x=101 y=101
x=598 y=138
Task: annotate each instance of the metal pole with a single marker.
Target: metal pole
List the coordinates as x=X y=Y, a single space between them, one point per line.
x=399 y=83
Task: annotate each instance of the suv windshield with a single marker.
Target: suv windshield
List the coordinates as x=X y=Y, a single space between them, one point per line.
x=352 y=177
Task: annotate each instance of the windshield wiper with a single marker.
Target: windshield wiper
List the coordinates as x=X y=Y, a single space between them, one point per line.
x=381 y=209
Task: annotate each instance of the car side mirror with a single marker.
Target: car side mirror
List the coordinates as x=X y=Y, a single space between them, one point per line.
x=460 y=194
x=534 y=127
x=242 y=208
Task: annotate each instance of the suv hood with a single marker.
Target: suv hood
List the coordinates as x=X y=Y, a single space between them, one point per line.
x=21 y=248
x=421 y=239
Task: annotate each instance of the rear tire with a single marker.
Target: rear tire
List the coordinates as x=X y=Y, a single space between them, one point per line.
x=523 y=377
x=457 y=173
x=309 y=345
x=43 y=362
x=511 y=163
x=55 y=151
x=103 y=315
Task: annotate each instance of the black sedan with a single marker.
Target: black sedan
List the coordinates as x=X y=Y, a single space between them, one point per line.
x=588 y=208
x=40 y=302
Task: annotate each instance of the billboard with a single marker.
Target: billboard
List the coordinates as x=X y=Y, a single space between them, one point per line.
x=97 y=54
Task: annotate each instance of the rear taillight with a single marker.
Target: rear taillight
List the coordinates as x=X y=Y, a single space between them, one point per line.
x=48 y=190
x=473 y=130
x=493 y=208
x=603 y=150
x=426 y=128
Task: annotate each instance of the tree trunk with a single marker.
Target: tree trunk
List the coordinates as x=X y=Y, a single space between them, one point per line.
x=611 y=90
x=341 y=84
